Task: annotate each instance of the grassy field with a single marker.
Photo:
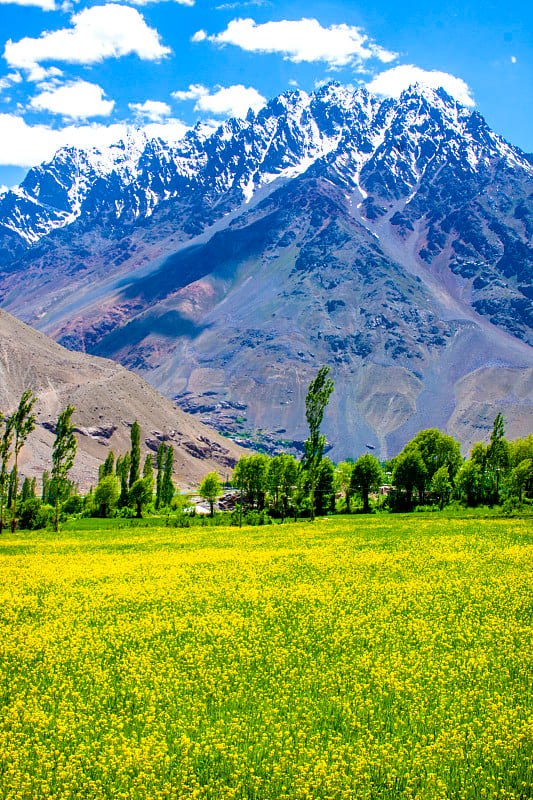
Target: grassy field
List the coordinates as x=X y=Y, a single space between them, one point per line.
x=351 y=658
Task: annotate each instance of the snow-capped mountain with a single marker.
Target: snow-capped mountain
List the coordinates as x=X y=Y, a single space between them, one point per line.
x=334 y=227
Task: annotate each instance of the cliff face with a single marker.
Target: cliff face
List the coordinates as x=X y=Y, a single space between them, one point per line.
x=391 y=239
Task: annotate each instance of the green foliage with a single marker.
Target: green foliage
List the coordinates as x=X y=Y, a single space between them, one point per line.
x=63 y=455
x=366 y=475
x=141 y=494
x=210 y=489
x=24 y=424
x=35 y=515
x=252 y=475
x=167 y=487
x=441 y=484
x=160 y=466
x=5 y=453
x=135 y=454
x=106 y=495
x=325 y=487
x=316 y=400
x=409 y=471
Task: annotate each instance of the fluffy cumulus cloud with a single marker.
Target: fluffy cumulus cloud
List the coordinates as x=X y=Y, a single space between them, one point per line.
x=25 y=145
x=229 y=101
x=393 y=82
x=46 y=5
x=97 y=33
x=76 y=100
x=154 y=110
x=301 y=40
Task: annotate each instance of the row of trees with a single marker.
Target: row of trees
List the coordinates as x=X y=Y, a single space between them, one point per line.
x=14 y=430
x=121 y=485
x=429 y=470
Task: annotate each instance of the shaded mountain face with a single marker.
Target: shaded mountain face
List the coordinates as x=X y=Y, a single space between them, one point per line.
x=108 y=399
x=390 y=239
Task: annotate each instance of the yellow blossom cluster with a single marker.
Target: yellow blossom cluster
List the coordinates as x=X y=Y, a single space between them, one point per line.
x=388 y=657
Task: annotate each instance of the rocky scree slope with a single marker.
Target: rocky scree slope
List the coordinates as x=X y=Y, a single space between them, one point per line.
x=108 y=399
x=391 y=239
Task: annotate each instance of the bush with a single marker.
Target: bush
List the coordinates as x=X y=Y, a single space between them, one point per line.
x=73 y=504
x=34 y=514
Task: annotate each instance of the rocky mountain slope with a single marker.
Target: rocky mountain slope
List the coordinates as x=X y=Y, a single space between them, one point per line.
x=391 y=239
x=108 y=399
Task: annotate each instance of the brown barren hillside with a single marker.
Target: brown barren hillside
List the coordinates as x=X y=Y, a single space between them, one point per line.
x=108 y=399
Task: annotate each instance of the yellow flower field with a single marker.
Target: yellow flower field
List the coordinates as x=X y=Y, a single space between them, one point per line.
x=354 y=658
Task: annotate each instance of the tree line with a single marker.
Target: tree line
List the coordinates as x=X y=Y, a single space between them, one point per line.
x=429 y=471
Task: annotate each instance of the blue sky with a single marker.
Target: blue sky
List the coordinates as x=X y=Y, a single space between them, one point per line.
x=79 y=73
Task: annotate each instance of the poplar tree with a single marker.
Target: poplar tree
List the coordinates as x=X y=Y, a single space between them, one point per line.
x=24 y=425
x=316 y=400
x=63 y=455
x=5 y=453
x=159 y=479
x=135 y=456
x=167 y=488
x=124 y=472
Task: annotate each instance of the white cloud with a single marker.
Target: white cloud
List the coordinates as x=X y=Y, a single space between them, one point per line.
x=230 y=101
x=513 y=59
x=99 y=32
x=46 y=5
x=301 y=40
x=154 y=110
x=25 y=145
x=393 y=82
x=172 y=130
x=194 y=91
x=77 y=100
x=9 y=80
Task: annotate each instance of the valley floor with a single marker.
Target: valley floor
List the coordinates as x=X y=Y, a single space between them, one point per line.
x=356 y=657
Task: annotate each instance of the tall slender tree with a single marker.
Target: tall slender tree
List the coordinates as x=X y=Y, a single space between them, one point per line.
x=135 y=456
x=167 y=490
x=24 y=425
x=63 y=455
x=317 y=398
x=159 y=479
x=5 y=453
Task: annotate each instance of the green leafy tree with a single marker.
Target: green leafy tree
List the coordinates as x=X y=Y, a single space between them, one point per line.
x=409 y=471
x=24 y=425
x=210 y=489
x=366 y=475
x=343 y=475
x=252 y=474
x=135 y=454
x=441 y=484
x=437 y=450
x=497 y=455
x=26 y=489
x=167 y=487
x=106 y=495
x=108 y=467
x=316 y=400
x=123 y=476
x=159 y=480
x=141 y=494
x=5 y=454
x=521 y=477
x=469 y=482
x=46 y=486
x=325 y=487
x=63 y=455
